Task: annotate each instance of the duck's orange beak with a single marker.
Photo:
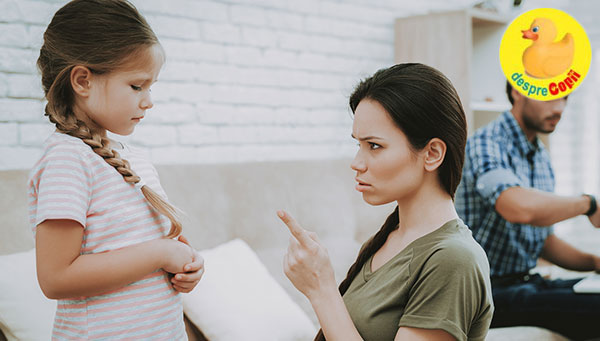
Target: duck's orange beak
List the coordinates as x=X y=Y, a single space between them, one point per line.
x=529 y=35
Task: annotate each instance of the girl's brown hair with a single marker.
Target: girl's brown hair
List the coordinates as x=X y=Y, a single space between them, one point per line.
x=102 y=35
x=423 y=103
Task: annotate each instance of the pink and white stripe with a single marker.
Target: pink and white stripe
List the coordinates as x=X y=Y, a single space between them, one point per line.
x=70 y=181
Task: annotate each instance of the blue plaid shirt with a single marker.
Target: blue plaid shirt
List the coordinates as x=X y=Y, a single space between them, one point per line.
x=499 y=156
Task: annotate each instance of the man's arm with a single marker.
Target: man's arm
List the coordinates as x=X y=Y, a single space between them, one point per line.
x=561 y=253
x=538 y=208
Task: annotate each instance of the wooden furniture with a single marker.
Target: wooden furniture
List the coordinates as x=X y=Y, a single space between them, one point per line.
x=464 y=45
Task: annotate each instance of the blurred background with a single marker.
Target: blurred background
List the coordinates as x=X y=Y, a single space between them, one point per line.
x=268 y=80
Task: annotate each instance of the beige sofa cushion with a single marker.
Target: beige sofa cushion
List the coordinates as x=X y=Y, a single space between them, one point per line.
x=238 y=299
x=25 y=313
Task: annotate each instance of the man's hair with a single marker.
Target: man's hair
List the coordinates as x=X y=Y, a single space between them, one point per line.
x=509 y=92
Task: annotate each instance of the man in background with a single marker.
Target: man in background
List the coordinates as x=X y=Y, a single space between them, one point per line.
x=506 y=197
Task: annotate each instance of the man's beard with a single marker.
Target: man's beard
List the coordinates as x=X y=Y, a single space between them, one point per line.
x=537 y=126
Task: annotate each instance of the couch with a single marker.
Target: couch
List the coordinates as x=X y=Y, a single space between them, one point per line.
x=222 y=202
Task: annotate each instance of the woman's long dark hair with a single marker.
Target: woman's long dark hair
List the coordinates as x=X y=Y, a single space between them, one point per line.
x=423 y=103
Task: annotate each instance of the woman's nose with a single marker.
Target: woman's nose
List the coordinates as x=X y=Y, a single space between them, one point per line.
x=358 y=164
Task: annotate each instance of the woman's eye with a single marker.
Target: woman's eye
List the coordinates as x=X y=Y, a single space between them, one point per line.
x=372 y=145
x=136 y=88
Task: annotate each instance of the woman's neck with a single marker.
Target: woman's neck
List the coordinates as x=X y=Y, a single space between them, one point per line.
x=425 y=211
x=419 y=214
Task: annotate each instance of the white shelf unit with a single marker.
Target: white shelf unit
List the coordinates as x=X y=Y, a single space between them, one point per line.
x=464 y=45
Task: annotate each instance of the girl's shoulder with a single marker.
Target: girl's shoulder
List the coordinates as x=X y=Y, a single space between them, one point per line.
x=139 y=158
x=140 y=162
x=59 y=142
x=132 y=151
x=61 y=148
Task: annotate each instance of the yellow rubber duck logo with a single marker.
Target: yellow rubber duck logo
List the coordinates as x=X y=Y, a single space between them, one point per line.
x=546 y=58
x=545 y=54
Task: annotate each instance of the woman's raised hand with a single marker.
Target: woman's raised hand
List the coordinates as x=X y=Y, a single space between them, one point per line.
x=306 y=263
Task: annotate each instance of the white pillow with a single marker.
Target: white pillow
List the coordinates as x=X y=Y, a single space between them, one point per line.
x=25 y=313
x=237 y=299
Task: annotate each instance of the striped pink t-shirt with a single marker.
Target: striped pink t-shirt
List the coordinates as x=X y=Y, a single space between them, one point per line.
x=70 y=181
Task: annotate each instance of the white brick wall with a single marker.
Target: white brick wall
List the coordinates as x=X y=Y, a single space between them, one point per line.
x=245 y=80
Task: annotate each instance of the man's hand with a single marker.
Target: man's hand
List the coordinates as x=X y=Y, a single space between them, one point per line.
x=596 y=264
x=595 y=218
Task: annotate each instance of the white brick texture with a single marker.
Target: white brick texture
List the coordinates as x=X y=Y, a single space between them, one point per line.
x=8 y=134
x=244 y=80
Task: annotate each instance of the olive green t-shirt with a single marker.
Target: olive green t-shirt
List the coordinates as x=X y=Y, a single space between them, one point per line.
x=439 y=281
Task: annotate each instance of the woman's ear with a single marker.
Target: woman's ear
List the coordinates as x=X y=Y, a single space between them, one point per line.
x=435 y=151
x=81 y=80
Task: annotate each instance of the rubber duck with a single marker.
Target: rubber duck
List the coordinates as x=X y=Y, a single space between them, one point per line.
x=545 y=58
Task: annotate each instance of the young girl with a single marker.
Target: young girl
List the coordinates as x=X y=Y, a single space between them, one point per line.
x=103 y=228
x=422 y=276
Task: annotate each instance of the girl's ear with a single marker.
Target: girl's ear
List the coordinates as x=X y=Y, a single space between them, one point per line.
x=435 y=151
x=81 y=80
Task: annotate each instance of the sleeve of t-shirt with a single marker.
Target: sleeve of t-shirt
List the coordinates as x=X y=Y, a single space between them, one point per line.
x=62 y=186
x=491 y=168
x=449 y=294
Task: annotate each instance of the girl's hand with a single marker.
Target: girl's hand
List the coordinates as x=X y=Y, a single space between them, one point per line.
x=306 y=263
x=177 y=255
x=187 y=281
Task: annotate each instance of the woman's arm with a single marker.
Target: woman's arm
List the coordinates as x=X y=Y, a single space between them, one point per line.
x=420 y=334
x=333 y=315
x=64 y=273
x=308 y=267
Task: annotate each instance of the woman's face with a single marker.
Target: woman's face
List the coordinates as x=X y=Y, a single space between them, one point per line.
x=387 y=169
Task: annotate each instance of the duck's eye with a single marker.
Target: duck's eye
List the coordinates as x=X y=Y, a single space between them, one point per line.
x=536 y=29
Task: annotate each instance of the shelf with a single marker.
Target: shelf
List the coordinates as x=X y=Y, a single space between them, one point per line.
x=490 y=106
x=482 y=17
x=473 y=36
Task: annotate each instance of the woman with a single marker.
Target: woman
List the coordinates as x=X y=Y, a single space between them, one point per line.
x=422 y=276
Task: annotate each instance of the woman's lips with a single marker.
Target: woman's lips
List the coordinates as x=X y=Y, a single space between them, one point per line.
x=362 y=186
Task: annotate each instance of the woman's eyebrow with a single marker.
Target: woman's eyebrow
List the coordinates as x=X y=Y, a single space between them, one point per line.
x=366 y=138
